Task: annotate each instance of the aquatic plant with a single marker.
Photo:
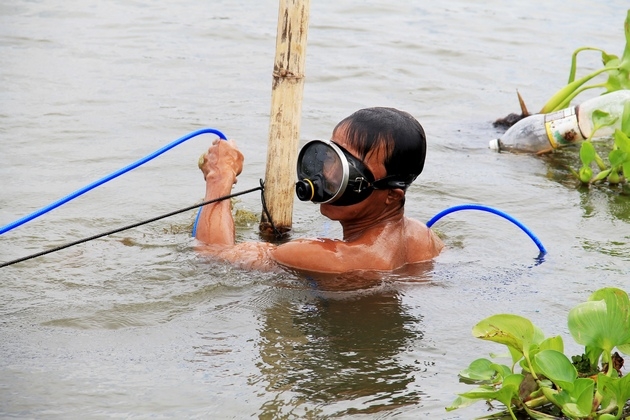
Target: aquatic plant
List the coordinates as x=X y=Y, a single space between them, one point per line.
x=617 y=69
x=618 y=168
x=542 y=382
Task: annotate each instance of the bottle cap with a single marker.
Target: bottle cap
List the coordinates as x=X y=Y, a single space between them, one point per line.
x=494 y=145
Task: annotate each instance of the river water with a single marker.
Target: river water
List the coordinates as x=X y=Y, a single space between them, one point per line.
x=139 y=325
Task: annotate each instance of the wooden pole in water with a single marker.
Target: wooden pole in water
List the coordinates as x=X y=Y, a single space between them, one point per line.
x=286 y=109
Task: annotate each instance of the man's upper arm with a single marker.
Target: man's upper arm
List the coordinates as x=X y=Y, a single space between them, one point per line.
x=323 y=256
x=248 y=255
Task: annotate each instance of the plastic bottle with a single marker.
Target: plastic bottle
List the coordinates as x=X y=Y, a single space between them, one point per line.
x=541 y=132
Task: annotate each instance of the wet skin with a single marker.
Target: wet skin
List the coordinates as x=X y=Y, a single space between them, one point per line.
x=376 y=234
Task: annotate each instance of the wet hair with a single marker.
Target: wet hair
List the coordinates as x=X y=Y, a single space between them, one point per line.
x=399 y=135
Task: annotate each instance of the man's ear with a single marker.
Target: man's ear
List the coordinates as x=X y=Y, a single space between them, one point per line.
x=395 y=195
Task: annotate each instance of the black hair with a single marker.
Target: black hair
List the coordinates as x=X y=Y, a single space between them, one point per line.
x=399 y=134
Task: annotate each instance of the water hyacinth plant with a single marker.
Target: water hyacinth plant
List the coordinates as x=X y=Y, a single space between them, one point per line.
x=618 y=168
x=542 y=382
x=617 y=69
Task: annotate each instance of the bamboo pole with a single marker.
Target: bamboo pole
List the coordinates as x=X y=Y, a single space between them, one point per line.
x=286 y=109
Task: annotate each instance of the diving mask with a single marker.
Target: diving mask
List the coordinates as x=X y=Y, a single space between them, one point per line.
x=328 y=173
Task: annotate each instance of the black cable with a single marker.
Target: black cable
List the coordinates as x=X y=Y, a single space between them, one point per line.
x=100 y=235
x=276 y=232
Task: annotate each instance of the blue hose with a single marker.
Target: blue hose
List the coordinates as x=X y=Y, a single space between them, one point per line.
x=490 y=210
x=107 y=178
x=194 y=228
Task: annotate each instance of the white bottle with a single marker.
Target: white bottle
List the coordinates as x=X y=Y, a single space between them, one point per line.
x=541 y=132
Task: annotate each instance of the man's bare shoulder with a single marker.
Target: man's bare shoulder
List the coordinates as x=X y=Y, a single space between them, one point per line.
x=333 y=255
x=422 y=242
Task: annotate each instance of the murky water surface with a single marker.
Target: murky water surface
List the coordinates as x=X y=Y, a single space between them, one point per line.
x=139 y=325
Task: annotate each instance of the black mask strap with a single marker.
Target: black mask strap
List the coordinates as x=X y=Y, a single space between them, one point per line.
x=394 y=181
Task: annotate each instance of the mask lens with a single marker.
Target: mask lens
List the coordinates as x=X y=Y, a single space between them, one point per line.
x=327 y=173
x=332 y=172
x=320 y=172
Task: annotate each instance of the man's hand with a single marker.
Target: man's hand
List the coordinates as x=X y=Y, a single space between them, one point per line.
x=222 y=160
x=220 y=166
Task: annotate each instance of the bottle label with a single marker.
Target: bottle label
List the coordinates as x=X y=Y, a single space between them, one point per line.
x=562 y=128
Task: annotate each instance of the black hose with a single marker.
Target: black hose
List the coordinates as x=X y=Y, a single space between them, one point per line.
x=144 y=222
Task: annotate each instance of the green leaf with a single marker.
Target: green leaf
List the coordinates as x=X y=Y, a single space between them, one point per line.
x=516 y=354
x=583 y=365
x=576 y=403
x=574 y=411
x=602 y=322
x=502 y=371
x=613 y=177
x=600 y=163
x=587 y=153
x=569 y=91
x=553 y=343
x=622 y=141
x=558 y=398
x=505 y=394
x=556 y=367
x=615 y=389
x=509 y=390
x=585 y=174
x=583 y=393
x=617 y=302
x=602 y=119
x=617 y=70
x=625 y=119
x=536 y=415
x=608 y=58
x=479 y=370
x=626 y=52
x=601 y=175
x=461 y=402
x=586 y=321
x=617 y=158
x=593 y=353
x=481 y=393
x=514 y=331
x=624 y=348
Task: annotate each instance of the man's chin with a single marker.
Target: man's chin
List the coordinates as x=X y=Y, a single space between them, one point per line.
x=328 y=210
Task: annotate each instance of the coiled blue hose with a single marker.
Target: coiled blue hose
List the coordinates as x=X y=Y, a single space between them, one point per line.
x=109 y=177
x=490 y=210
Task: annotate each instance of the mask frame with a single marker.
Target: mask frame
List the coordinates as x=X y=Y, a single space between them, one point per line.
x=355 y=184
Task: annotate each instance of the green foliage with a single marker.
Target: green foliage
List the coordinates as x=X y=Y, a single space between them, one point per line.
x=577 y=387
x=618 y=168
x=617 y=69
x=583 y=365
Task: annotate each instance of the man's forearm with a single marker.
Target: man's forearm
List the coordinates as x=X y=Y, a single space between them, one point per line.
x=216 y=224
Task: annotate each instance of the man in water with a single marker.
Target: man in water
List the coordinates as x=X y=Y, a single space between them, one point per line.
x=359 y=178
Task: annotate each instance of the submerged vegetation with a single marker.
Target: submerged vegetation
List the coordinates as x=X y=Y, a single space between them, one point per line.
x=542 y=382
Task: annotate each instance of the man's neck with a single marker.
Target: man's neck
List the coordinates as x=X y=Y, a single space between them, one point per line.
x=355 y=229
